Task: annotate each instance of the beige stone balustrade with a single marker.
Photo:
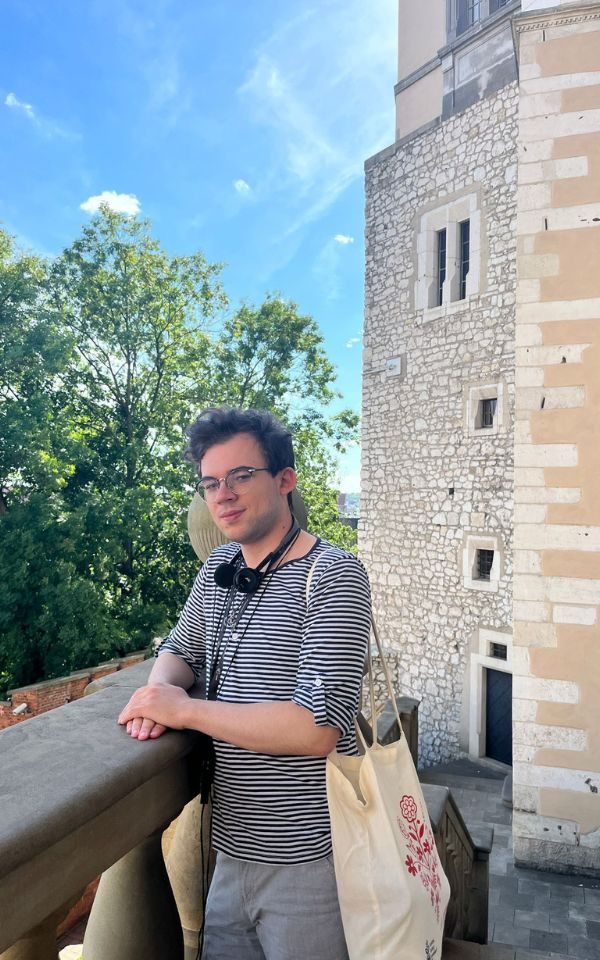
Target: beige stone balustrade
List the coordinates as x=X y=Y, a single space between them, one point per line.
x=79 y=798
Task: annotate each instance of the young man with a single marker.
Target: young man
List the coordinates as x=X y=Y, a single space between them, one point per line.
x=284 y=679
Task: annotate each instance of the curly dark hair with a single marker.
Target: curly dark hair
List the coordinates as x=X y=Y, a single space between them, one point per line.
x=217 y=424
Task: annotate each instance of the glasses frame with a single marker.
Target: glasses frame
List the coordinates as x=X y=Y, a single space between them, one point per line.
x=206 y=494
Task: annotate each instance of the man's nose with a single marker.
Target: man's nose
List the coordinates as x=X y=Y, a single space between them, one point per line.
x=224 y=493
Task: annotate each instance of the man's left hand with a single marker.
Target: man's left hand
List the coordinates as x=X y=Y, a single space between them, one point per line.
x=161 y=705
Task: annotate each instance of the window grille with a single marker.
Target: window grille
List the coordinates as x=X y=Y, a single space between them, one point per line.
x=465 y=244
x=441 y=265
x=485 y=560
x=488 y=412
x=498 y=651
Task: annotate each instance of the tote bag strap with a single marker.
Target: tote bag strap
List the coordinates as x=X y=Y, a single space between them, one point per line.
x=384 y=664
x=388 y=680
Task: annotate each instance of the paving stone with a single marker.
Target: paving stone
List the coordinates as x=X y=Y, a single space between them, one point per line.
x=505 y=884
x=536 y=955
x=538 y=888
x=561 y=908
x=540 y=955
x=572 y=928
x=567 y=891
x=543 y=940
x=502 y=913
x=591 y=895
x=584 y=949
x=507 y=933
x=535 y=920
x=495 y=951
x=517 y=900
x=593 y=929
x=583 y=911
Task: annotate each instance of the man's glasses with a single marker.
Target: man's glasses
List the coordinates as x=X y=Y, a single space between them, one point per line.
x=236 y=480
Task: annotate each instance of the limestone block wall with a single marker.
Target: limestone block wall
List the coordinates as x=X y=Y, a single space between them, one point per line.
x=427 y=483
x=557 y=444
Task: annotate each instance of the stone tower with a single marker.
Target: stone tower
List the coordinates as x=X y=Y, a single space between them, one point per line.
x=480 y=514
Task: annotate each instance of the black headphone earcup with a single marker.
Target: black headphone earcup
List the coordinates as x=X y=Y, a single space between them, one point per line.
x=224 y=575
x=247 y=580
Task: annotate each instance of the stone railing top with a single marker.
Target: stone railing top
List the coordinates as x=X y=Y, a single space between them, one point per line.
x=75 y=787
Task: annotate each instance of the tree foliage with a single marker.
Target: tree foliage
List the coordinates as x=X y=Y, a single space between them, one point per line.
x=106 y=354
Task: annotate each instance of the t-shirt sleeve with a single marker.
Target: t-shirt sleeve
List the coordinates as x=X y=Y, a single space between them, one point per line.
x=334 y=645
x=187 y=639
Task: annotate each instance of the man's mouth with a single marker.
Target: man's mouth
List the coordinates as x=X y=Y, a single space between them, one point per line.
x=231 y=515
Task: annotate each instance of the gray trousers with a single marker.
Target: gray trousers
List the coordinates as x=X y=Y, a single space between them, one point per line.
x=259 y=911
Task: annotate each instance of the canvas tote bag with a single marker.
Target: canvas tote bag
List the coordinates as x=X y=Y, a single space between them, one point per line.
x=393 y=892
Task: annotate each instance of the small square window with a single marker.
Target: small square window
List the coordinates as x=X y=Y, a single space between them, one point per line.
x=485 y=562
x=499 y=651
x=486 y=413
x=481 y=562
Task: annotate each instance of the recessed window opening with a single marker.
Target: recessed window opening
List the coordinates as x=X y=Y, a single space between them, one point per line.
x=487 y=412
x=441 y=265
x=497 y=4
x=464 y=248
x=498 y=651
x=484 y=562
x=469 y=12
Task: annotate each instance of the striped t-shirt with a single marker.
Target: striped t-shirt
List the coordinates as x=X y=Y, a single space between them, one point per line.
x=267 y=808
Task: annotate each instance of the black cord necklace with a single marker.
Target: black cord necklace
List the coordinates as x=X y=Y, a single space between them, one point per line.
x=230 y=618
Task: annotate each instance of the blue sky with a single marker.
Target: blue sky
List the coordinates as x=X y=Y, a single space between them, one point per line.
x=239 y=128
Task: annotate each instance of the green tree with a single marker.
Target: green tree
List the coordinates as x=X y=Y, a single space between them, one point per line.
x=138 y=322
x=107 y=355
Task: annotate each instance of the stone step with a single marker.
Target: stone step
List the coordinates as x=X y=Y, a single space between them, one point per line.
x=480 y=784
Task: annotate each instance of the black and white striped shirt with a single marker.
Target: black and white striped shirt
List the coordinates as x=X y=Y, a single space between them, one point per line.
x=273 y=809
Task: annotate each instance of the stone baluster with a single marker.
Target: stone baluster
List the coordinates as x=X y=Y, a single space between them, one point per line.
x=134 y=916
x=190 y=863
x=40 y=942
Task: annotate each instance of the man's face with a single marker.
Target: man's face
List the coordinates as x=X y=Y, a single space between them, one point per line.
x=252 y=514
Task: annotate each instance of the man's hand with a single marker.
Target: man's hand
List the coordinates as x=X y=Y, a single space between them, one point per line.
x=152 y=709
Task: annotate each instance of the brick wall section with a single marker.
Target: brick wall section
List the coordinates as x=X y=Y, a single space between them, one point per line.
x=40 y=697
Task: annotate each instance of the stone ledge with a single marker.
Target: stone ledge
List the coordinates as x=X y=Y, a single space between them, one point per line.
x=77 y=794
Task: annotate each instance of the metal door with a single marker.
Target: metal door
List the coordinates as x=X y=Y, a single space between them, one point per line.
x=498 y=716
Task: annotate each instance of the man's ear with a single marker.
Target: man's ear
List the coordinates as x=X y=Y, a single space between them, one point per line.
x=287 y=480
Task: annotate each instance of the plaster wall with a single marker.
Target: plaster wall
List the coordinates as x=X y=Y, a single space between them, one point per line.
x=419 y=103
x=557 y=512
x=427 y=482
x=417 y=46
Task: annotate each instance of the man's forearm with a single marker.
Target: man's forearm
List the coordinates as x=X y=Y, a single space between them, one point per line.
x=275 y=728
x=168 y=668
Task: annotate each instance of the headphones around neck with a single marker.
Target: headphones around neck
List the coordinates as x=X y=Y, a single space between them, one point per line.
x=249 y=579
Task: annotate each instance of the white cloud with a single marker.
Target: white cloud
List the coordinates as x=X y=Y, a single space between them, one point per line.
x=241 y=186
x=119 y=202
x=350 y=343
x=47 y=127
x=343 y=239
x=15 y=104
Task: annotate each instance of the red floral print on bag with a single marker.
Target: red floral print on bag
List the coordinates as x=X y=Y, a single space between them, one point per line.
x=422 y=856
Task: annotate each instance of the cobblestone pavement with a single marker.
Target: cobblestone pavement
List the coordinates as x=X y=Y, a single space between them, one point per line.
x=533 y=915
